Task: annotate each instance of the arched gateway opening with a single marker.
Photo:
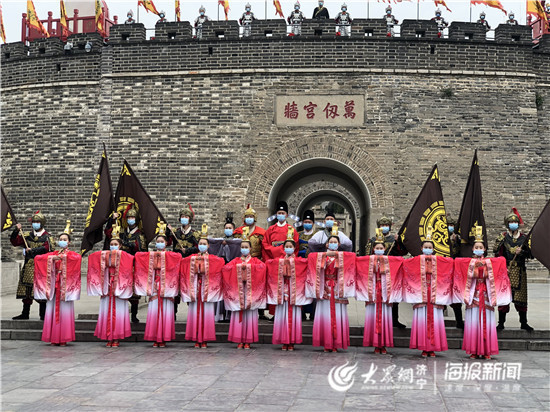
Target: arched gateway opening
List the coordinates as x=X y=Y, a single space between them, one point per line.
x=309 y=171
x=313 y=181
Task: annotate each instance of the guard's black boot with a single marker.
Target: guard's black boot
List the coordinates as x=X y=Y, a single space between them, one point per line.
x=134 y=310
x=395 y=316
x=501 y=320
x=25 y=312
x=457 y=309
x=523 y=321
x=42 y=310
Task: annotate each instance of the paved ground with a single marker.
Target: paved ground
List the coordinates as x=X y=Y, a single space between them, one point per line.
x=538 y=315
x=90 y=377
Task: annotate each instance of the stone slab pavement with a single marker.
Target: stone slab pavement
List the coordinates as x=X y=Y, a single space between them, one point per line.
x=90 y=377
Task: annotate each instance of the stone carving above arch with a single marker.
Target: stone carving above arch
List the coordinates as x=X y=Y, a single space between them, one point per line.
x=352 y=161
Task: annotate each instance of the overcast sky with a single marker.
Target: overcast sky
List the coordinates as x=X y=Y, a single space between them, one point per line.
x=12 y=10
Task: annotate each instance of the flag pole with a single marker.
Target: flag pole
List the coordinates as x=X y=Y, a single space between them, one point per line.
x=470 y=11
x=265 y=10
x=368 y=9
x=218 y=11
x=418 y=10
x=138 y=12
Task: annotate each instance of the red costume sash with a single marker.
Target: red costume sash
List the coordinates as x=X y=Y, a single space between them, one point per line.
x=206 y=269
x=164 y=264
x=61 y=277
x=238 y=273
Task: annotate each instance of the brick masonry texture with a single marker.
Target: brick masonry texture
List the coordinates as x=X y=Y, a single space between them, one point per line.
x=195 y=118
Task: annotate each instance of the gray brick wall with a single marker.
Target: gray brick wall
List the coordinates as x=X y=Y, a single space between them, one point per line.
x=195 y=119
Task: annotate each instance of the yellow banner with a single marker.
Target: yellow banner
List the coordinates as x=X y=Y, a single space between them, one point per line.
x=33 y=21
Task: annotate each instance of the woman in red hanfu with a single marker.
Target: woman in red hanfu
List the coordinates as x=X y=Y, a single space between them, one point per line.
x=157 y=276
x=201 y=286
x=57 y=279
x=286 y=288
x=379 y=286
x=483 y=285
x=111 y=276
x=244 y=280
x=428 y=284
x=331 y=280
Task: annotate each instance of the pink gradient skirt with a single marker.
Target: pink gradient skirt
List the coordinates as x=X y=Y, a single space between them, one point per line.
x=245 y=331
x=322 y=327
x=62 y=331
x=119 y=325
x=282 y=334
x=419 y=331
x=370 y=337
x=201 y=329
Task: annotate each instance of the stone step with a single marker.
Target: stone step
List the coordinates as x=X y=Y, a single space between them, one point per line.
x=267 y=327
x=265 y=338
x=509 y=339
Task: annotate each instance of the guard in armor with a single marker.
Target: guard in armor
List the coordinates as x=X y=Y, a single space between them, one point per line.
x=256 y=233
x=391 y=21
x=199 y=21
x=132 y=240
x=441 y=23
x=162 y=16
x=511 y=19
x=510 y=244
x=130 y=19
x=483 y=21
x=295 y=20
x=392 y=248
x=246 y=20
x=320 y=11
x=343 y=21
x=34 y=243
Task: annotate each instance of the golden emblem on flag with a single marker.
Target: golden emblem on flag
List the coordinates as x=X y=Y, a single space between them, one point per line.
x=435 y=218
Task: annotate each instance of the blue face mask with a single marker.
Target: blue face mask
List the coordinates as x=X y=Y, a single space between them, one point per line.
x=281 y=218
x=308 y=226
x=427 y=251
x=378 y=252
x=245 y=252
x=438 y=15
x=203 y=248
x=160 y=245
x=513 y=226
x=249 y=220
x=202 y=13
x=113 y=247
x=228 y=232
x=385 y=230
x=289 y=250
x=479 y=252
x=62 y=244
x=329 y=223
x=451 y=229
x=184 y=221
x=131 y=222
x=36 y=225
x=333 y=246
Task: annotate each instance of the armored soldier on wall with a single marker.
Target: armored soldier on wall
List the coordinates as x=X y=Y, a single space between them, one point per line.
x=483 y=21
x=441 y=23
x=246 y=20
x=391 y=21
x=130 y=17
x=295 y=20
x=343 y=21
x=199 y=21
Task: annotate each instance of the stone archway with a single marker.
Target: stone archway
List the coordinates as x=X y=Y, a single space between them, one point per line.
x=320 y=160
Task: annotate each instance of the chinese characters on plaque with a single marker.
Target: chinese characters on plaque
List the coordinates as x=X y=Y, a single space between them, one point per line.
x=320 y=110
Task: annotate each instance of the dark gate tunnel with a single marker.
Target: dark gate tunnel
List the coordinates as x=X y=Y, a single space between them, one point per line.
x=326 y=170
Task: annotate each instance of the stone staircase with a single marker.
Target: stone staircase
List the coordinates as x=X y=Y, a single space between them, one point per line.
x=508 y=339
